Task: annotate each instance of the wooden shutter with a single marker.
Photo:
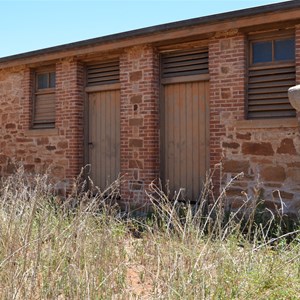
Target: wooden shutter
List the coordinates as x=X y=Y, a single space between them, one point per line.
x=267 y=91
x=185 y=63
x=103 y=73
x=44 y=110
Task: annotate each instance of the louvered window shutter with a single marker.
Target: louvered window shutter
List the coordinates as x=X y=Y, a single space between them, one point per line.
x=44 y=111
x=103 y=73
x=185 y=63
x=267 y=92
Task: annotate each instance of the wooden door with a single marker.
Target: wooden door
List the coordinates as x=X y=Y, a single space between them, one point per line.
x=104 y=136
x=185 y=137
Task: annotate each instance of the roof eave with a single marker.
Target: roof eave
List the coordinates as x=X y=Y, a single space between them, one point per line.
x=155 y=30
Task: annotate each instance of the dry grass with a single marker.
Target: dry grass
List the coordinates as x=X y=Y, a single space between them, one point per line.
x=89 y=252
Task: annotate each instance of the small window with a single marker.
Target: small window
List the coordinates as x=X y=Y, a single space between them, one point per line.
x=46 y=80
x=44 y=99
x=271 y=73
x=284 y=49
x=262 y=52
x=273 y=51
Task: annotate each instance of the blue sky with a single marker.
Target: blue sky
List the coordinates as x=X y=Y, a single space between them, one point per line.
x=30 y=25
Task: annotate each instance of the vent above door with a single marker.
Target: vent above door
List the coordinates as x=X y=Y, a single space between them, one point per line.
x=184 y=63
x=103 y=73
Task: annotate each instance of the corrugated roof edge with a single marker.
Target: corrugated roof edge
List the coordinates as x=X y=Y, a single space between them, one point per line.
x=159 y=28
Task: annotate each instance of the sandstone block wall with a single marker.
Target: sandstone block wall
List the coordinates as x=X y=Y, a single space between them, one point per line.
x=270 y=160
x=58 y=150
x=266 y=151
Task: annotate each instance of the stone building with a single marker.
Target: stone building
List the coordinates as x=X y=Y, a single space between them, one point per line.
x=171 y=101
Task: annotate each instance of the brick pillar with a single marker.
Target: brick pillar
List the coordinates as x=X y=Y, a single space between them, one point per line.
x=139 y=122
x=69 y=113
x=227 y=70
x=26 y=99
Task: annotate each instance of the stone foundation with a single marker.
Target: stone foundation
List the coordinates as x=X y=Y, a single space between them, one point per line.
x=269 y=160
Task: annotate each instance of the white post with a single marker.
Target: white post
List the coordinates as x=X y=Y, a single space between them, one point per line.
x=294 y=98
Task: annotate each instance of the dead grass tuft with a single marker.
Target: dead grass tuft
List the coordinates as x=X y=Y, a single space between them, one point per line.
x=84 y=248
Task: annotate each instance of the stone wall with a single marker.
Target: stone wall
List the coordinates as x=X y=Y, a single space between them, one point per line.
x=269 y=157
x=267 y=152
x=58 y=150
